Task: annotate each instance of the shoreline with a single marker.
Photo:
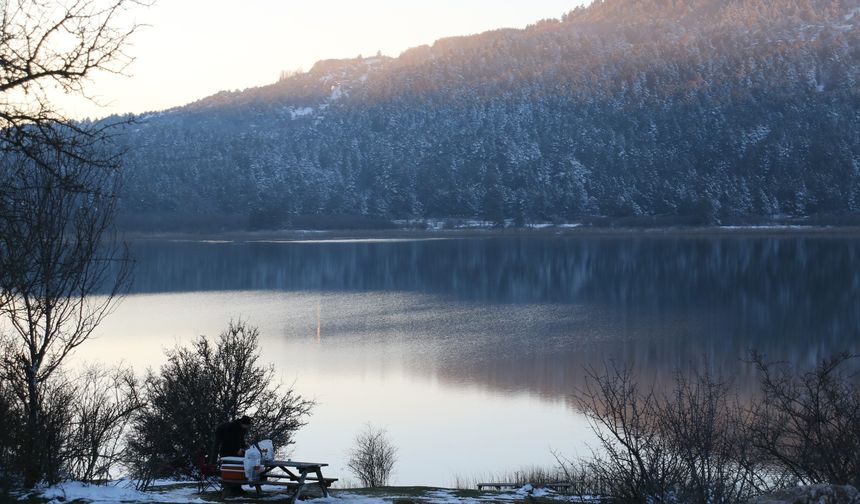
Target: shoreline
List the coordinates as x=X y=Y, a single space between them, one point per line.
x=181 y=492
x=393 y=235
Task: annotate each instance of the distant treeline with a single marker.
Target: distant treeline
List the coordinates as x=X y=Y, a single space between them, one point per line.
x=701 y=111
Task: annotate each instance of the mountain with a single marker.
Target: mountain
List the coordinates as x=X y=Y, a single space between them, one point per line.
x=698 y=110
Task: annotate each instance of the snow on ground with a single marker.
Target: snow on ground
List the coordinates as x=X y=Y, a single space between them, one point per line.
x=446 y=496
x=123 y=491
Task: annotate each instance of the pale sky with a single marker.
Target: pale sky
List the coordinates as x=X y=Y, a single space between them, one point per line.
x=194 y=48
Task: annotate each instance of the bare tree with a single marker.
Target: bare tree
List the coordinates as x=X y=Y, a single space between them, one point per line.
x=372 y=457
x=58 y=187
x=58 y=44
x=57 y=47
x=62 y=271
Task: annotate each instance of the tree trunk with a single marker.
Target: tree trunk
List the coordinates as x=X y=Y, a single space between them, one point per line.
x=32 y=453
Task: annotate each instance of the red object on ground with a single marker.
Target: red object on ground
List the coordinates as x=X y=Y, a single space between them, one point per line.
x=233 y=469
x=207 y=474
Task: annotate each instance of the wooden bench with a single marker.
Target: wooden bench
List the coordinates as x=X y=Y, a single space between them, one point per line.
x=309 y=474
x=498 y=486
x=328 y=481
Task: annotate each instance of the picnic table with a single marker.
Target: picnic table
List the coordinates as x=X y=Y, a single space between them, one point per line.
x=297 y=476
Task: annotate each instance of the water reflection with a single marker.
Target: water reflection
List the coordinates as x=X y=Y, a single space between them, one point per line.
x=526 y=314
x=801 y=290
x=470 y=340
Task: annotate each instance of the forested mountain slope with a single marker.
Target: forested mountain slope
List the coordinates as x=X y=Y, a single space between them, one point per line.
x=713 y=110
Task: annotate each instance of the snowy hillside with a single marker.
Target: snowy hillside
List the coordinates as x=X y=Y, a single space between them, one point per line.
x=709 y=110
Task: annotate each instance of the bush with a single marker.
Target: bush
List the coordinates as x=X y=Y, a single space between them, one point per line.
x=634 y=460
x=45 y=454
x=202 y=386
x=104 y=402
x=55 y=426
x=704 y=426
x=81 y=421
x=11 y=418
x=372 y=457
x=692 y=445
x=808 y=425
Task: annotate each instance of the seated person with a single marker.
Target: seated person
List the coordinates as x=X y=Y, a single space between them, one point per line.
x=230 y=437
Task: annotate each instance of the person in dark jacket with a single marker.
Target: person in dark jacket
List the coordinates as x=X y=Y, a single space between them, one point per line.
x=230 y=437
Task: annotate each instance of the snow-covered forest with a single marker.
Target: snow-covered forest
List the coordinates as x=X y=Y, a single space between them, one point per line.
x=702 y=110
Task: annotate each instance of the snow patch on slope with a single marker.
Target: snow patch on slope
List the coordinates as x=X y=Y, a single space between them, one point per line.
x=301 y=112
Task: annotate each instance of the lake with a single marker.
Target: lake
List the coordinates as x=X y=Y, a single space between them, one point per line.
x=468 y=350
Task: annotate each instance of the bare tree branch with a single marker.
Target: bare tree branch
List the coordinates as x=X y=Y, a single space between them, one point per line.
x=62 y=269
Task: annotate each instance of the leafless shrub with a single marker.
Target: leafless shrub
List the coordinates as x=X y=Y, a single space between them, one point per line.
x=11 y=418
x=55 y=426
x=808 y=425
x=692 y=445
x=634 y=459
x=699 y=444
x=105 y=400
x=584 y=481
x=53 y=423
x=81 y=420
x=202 y=386
x=372 y=457
x=702 y=423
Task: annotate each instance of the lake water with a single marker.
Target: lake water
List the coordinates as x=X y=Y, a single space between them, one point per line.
x=469 y=350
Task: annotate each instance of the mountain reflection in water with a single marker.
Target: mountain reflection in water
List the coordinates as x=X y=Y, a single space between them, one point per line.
x=527 y=313
x=469 y=350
